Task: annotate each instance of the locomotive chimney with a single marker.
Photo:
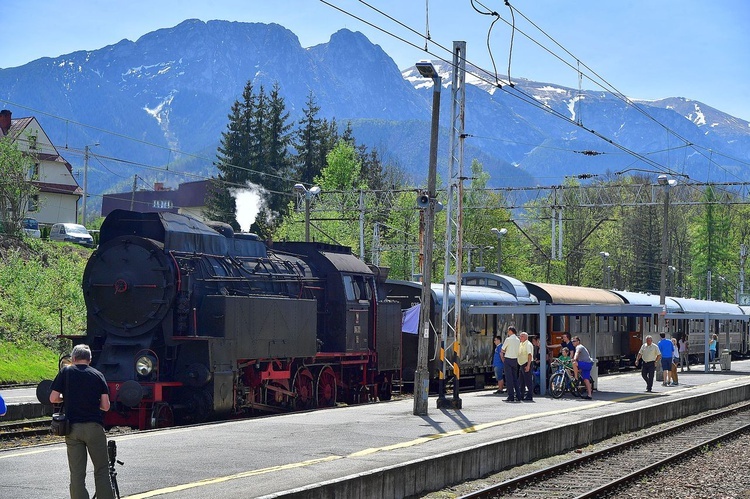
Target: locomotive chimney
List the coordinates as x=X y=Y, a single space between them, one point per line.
x=5 y=118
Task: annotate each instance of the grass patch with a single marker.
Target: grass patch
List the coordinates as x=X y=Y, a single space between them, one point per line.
x=28 y=363
x=40 y=297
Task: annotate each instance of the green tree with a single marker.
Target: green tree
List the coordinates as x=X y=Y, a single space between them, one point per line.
x=313 y=140
x=712 y=244
x=233 y=153
x=15 y=187
x=253 y=152
x=306 y=141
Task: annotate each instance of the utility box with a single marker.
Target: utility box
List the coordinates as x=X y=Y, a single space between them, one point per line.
x=725 y=361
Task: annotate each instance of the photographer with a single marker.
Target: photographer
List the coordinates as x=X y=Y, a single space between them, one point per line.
x=85 y=393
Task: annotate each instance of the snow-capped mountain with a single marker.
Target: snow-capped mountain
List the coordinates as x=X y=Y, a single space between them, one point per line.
x=172 y=90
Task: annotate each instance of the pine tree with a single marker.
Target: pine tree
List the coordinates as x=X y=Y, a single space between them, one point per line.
x=232 y=152
x=306 y=141
x=253 y=151
x=277 y=161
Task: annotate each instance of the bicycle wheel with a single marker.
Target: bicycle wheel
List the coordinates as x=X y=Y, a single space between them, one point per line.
x=575 y=387
x=557 y=385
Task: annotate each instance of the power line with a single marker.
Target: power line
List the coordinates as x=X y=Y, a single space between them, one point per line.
x=524 y=96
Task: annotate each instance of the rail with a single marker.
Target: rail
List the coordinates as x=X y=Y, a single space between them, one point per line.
x=599 y=473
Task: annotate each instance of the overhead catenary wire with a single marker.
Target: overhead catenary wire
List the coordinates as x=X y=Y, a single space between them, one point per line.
x=604 y=83
x=528 y=98
x=517 y=93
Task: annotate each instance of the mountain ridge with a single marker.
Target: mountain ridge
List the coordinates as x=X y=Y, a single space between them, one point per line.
x=172 y=90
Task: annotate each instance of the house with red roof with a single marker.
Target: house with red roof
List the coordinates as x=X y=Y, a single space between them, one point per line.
x=59 y=193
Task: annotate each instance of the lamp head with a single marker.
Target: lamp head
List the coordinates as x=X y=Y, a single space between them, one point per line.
x=604 y=254
x=426 y=69
x=315 y=190
x=499 y=232
x=300 y=188
x=664 y=180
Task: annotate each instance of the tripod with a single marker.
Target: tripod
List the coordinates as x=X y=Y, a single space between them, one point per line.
x=112 y=453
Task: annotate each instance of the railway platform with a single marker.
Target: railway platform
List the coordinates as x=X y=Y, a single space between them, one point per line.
x=376 y=450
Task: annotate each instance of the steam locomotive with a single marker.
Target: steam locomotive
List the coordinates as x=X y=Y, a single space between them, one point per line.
x=191 y=321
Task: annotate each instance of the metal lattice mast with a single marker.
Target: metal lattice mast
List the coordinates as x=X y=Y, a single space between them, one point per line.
x=451 y=318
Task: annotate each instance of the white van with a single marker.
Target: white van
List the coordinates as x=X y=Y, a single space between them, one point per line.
x=73 y=233
x=31 y=227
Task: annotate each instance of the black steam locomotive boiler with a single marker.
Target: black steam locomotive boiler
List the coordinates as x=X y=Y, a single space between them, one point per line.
x=190 y=322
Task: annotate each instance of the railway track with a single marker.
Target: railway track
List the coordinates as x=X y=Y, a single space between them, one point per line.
x=16 y=430
x=603 y=472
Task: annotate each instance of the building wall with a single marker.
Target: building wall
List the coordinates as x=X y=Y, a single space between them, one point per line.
x=54 y=208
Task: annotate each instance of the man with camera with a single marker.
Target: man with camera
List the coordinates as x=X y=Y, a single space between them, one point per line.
x=85 y=394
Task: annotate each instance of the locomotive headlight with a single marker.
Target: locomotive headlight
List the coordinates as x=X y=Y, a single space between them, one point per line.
x=64 y=362
x=144 y=365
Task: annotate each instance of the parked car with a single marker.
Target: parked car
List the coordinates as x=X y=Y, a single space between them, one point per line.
x=74 y=233
x=31 y=227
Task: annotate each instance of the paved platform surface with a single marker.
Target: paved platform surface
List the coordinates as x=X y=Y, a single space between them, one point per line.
x=294 y=453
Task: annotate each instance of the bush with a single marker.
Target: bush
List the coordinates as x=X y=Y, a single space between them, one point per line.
x=40 y=297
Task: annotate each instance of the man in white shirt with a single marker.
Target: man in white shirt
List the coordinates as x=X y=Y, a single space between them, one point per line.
x=509 y=355
x=525 y=366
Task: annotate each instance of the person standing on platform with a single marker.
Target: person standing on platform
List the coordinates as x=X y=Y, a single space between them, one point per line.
x=666 y=350
x=85 y=393
x=675 y=361
x=509 y=357
x=684 y=352
x=582 y=362
x=712 y=346
x=497 y=365
x=526 y=366
x=650 y=355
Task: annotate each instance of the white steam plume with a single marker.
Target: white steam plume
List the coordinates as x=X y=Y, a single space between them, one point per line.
x=249 y=203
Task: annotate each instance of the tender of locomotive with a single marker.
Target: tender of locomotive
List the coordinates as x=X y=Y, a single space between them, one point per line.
x=190 y=322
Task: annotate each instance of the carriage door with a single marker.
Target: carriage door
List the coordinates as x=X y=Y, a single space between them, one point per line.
x=359 y=296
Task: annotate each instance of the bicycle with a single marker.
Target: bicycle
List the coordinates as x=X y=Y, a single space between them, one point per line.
x=562 y=380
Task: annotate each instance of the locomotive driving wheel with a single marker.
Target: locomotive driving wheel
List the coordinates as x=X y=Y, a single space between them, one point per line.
x=326 y=387
x=162 y=416
x=304 y=389
x=276 y=393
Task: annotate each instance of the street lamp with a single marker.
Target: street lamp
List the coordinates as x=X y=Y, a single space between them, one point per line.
x=667 y=183
x=86 y=180
x=309 y=194
x=481 y=257
x=605 y=274
x=500 y=233
x=421 y=376
x=671 y=271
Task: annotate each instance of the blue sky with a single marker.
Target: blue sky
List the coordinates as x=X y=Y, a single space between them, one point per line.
x=646 y=49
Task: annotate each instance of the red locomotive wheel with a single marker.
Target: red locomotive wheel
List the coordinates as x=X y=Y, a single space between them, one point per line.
x=326 y=387
x=304 y=389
